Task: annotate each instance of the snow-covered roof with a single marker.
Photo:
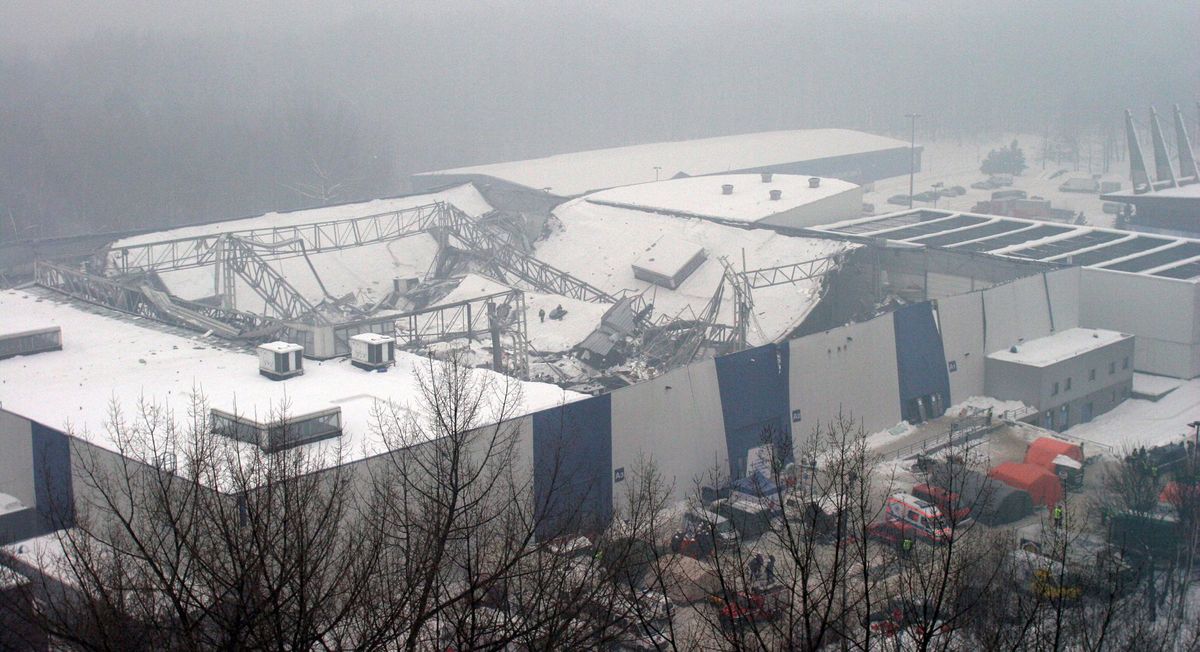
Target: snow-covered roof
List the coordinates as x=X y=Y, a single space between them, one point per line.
x=547 y=336
x=372 y=338
x=750 y=200
x=567 y=175
x=599 y=244
x=364 y=271
x=668 y=255
x=110 y=357
x=280 y=347
x=1063 y=345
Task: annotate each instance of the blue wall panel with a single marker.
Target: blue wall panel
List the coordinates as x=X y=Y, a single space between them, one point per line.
x=572 y=465
x=754 y=402
x=920 y=358
x=52 y=478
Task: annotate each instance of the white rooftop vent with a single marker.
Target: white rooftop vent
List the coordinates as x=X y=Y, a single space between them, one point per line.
x=280 y=360
x=727 y=189
x=30 y=342
x=814 y=182
x=372 y=351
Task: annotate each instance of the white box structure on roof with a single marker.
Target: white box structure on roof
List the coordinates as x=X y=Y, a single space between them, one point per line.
x=280 y=360
x=668 y=262
x=372 y=351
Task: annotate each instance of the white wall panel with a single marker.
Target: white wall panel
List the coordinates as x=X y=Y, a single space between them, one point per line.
x=961 y=321
x=851 y=369
x=676 y=421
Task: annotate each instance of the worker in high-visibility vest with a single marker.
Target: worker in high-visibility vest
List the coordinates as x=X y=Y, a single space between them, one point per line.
x=1058 y=515
x=906 y=545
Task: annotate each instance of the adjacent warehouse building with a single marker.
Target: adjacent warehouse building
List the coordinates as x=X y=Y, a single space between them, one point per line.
x=539 y=183
x=1069 y=377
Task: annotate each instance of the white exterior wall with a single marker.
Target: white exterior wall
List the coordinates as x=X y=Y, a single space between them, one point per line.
x=1015 y=311
x=842 y=206
x=960 y=319
x=1163 y=313
x=829 y=373
x=674 y=420
x=16 y=458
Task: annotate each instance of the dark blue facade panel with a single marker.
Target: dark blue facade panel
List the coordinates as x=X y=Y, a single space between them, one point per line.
x=572 y=462
x=52 y=479
x=920 y=363
x=754 y=402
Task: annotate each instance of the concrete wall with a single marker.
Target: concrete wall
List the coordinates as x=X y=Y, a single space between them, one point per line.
x=1163 y=313
x=675 y=421
x=850 y=369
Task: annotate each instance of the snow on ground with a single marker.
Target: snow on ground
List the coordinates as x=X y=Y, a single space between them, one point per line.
x=997 y=406
x=551 y=335
x=1150 y=385
x=113 y=358
x=600 y=243
x=749 y=202
x=575 y=173
x=883 y=438
x=956 y=163
x=365 y=271
x=1138 y=422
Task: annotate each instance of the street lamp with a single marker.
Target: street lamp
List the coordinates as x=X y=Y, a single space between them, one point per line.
x=912 y=153
x=657 y=169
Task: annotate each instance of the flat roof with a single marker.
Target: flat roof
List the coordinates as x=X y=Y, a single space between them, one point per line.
x=1063 y=345
x=600 y=244
x=1148 y=254
x=667 y=256
x=111 y=357
x=568 y=175
x=702 y=196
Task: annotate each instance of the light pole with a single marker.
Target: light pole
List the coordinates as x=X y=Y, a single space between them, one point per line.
x=657 y=170
x=912 y=153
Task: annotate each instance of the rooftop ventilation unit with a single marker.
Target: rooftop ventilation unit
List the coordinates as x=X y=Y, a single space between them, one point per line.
x=372 y=351
x=727 y=189
x=280 y=360
x=814 y=182
x=30 y=342
x=776 y=195
x=278 y=434
x=766 y=177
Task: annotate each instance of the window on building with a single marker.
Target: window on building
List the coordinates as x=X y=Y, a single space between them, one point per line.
x=1125 y=363
x=1068 y=386
x=1091 y=374
x=1112 y=368
x=1054 y=392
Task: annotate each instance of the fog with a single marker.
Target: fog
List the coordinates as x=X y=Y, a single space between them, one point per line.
x=120 y=115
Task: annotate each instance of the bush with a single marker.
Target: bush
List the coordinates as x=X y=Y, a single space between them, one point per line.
x=1006 y=160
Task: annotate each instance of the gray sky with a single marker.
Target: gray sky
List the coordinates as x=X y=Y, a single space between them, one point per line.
x=425 y=85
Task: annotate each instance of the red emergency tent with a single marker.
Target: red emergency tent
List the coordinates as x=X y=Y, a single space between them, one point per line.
x=1042 y=485
x=1043 y=451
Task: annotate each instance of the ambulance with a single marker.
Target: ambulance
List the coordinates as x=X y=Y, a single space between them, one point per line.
x=924 y=518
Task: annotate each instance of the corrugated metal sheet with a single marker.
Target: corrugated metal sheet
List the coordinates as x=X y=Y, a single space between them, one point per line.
x=621 y=317
x=600 y=342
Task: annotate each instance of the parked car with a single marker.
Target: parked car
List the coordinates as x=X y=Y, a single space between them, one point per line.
x=745 y=608
x=927 y=196
x=983 y=185
x=899 y=200
x=953 y=191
